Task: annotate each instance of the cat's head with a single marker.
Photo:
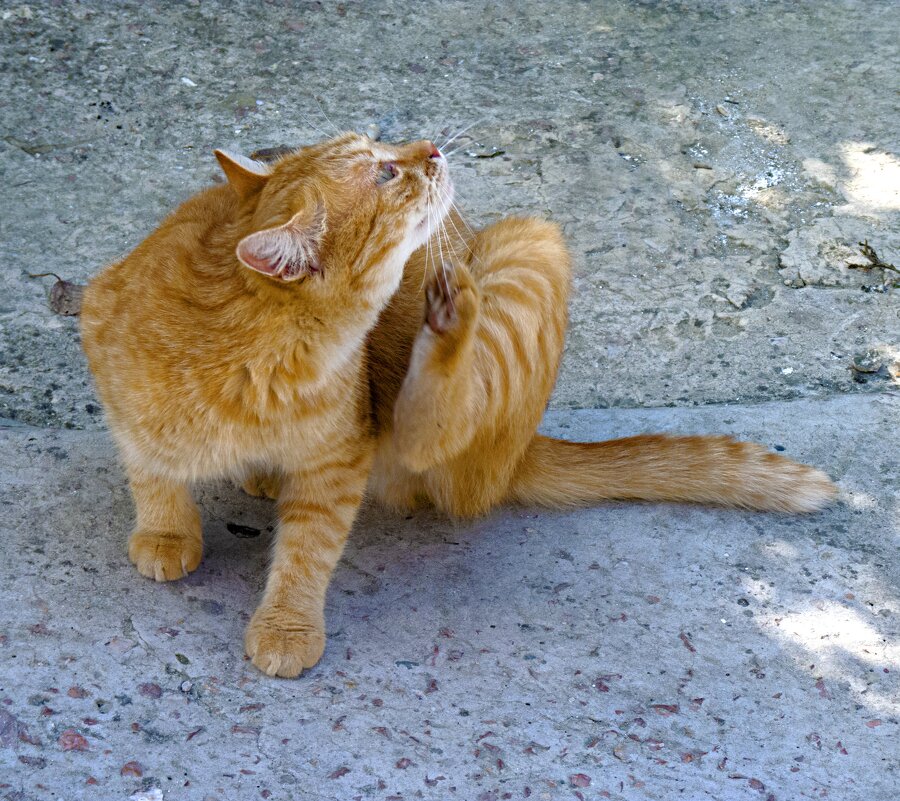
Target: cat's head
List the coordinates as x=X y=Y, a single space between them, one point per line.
x=346 y=213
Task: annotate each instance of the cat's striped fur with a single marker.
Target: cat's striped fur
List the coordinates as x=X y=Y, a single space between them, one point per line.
x=285 y=329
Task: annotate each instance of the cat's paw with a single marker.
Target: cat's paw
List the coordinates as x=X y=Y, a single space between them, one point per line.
x=263 y=485
x=282 y=642
x=451 y=299
x=164 y=555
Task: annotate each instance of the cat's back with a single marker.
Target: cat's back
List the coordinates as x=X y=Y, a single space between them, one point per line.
x=158 y=275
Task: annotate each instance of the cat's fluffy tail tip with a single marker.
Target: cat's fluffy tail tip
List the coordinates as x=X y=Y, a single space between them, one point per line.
x=810 y=491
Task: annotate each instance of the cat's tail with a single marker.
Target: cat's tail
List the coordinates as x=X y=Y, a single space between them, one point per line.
x=655 y=467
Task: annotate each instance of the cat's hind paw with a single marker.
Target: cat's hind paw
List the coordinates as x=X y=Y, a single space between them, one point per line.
x=451 y=299
x=164 y=555
x=263 y=485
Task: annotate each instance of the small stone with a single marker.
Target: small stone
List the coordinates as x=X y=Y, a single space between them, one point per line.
x=71 y=740
x=187 y=686
x=150 y=690
x=153 y=794
x=132 y=769
x=373 y=131
x=869 y=361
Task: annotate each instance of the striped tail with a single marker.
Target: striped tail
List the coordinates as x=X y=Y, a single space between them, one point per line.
x=655 y=467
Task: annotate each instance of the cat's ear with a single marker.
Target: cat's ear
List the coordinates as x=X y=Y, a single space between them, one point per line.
x=245 y=176
x=288 y=251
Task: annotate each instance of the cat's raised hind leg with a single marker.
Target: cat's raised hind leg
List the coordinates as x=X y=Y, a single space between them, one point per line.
x=167 y=542
x=434 y=415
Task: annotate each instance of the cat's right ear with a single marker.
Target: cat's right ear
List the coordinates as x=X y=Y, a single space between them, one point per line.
x=245 y=176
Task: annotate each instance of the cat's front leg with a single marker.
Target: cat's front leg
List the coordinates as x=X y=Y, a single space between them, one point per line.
x=167 y=542
x=316 y=510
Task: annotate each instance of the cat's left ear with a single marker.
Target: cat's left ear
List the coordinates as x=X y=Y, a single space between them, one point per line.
x=288 y=251
x=245 y=176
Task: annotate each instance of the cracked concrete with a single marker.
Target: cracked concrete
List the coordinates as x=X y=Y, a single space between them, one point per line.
x=714 y=165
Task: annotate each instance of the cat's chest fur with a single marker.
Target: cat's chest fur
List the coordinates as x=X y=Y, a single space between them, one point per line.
x=197 y=389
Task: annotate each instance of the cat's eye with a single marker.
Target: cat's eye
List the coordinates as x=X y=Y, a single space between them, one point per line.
x=386 y=172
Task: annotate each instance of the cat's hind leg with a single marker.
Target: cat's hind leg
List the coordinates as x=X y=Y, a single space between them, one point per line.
x=167 y=542
x=263 y=484
x=475 y=392
x=434 y=415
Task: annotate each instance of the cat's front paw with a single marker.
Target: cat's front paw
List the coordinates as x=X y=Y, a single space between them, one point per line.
x=164 y=555
x=451 y=299
x=282 y=642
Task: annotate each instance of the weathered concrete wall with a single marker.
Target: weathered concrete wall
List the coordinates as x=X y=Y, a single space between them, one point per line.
x=713 y=164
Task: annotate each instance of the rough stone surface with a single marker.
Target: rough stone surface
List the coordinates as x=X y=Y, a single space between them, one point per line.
x=626 y=652
x=713 y=164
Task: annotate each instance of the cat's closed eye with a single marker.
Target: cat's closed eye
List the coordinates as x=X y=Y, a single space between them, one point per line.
x=386 y=172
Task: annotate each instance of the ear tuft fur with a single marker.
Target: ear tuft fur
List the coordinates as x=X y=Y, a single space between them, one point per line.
x=289 y=251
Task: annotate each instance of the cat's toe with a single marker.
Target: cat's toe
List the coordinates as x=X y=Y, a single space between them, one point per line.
x=283 y=642
x=164 y=555
x=263 y=485
x=450 y=298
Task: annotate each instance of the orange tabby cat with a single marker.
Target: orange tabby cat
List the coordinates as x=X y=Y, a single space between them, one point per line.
x=240 y=339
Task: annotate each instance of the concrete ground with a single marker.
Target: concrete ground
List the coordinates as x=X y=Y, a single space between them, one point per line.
x=714 y=165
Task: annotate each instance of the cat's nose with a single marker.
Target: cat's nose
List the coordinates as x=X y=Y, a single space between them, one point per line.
x=433 y=152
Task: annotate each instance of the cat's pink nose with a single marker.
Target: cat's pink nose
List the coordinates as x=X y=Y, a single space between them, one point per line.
x=433 y=152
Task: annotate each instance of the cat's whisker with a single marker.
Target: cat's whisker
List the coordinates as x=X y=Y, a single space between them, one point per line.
x=434 y=137
x=464 y=130
x=462 y=217
x=443 y=234
x=462 y=239
x=305 y=119
x=336 y=129
x=428 y=254
x=439 y=243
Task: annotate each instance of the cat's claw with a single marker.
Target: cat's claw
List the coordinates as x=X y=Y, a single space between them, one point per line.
x=164 y=555
x=450 y=297
x=283 y=642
